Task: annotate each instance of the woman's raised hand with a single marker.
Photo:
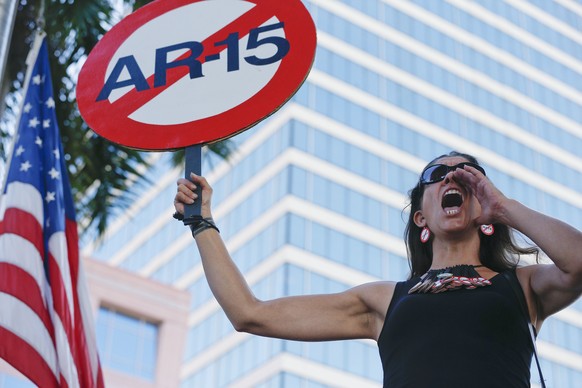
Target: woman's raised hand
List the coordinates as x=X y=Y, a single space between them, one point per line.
x=492 y=200
x=185 y=194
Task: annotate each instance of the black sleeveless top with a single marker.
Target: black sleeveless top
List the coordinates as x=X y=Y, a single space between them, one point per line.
x=466 y=338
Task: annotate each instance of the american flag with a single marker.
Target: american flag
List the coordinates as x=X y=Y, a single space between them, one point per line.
x=46 y=323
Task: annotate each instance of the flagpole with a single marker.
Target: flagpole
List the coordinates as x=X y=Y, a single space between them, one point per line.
x=30 y=60
x=40 y=20
x=7 y=17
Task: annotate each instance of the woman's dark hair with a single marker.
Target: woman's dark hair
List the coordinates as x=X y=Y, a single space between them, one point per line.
x=497 y=252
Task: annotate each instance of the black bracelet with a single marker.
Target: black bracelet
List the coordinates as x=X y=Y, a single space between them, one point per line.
x=198 y=226
x=202 y=225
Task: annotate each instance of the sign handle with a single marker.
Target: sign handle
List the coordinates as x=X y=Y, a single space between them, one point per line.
x=192 y=213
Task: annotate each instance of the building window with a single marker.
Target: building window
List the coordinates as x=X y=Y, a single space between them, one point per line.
x=126 y=343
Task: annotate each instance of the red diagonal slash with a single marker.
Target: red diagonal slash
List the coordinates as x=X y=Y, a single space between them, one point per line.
x=134 y=100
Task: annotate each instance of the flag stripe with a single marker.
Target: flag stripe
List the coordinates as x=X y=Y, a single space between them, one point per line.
x=25 y=323
x=63 y=298
x=24 y=196
x=29 y=361
x=87 y=358
x=20 y=252
x=66 y=359
x=84 y=317
x=57 y=246
x=65 y=330
x=23 y=224
x=19 y=284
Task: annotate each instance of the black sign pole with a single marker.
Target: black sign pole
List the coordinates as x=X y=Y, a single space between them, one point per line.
x=192 y=213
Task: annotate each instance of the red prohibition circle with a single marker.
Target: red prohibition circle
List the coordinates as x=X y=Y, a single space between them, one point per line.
x=111 y=119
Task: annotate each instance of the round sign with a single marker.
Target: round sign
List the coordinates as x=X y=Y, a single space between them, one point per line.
x=177 y=73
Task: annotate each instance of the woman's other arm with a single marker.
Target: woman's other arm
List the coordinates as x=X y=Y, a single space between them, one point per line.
x=553 y=286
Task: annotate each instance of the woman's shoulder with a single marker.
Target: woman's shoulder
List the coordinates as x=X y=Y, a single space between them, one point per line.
x=377 y=297
x=373 y=290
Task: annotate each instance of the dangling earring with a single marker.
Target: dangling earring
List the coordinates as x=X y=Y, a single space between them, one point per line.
x=487 y=230
x=424 y=234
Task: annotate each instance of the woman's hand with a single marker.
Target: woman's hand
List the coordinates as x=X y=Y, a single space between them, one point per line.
x=186 y=196
x=492 y=201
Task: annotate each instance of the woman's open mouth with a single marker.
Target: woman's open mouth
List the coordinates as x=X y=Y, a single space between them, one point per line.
x=452 y=201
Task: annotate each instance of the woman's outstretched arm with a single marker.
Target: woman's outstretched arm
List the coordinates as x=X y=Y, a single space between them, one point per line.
x=355 y=313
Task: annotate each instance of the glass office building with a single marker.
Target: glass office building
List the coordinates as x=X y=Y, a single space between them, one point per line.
x=313 y=199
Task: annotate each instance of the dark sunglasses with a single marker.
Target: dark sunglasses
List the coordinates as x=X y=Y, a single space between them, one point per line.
x=437 y=172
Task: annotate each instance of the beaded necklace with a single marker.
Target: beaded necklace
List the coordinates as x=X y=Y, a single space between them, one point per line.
x=450 y=279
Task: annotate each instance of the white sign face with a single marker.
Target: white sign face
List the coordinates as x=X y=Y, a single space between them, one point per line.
x=205 y=96
x=209 y=69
